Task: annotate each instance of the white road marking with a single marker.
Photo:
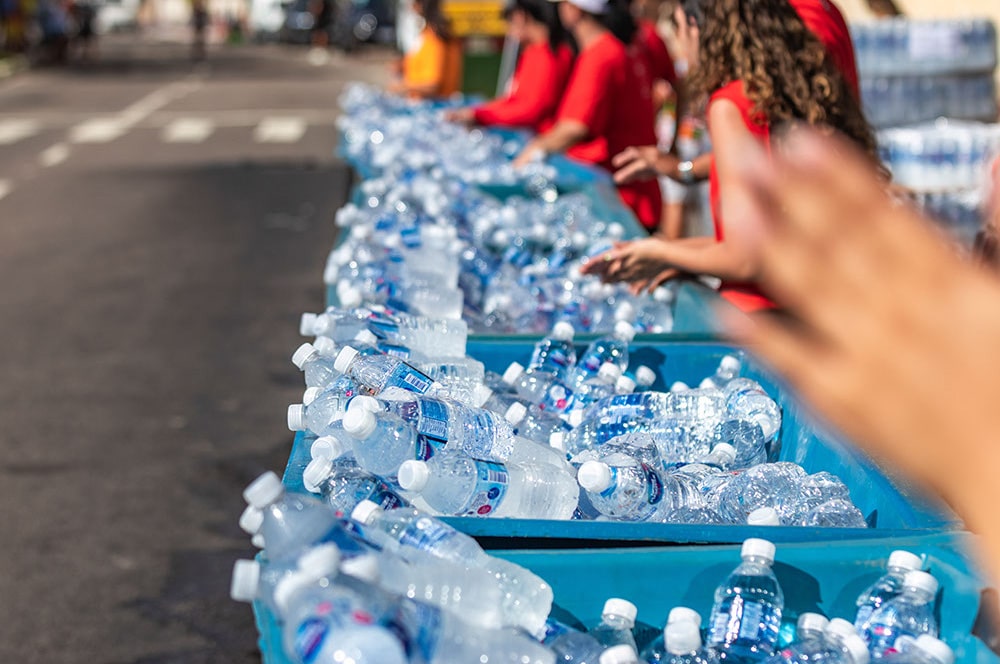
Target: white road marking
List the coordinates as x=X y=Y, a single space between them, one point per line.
x=279 y=130
x=54 y=155
x=5 y=187
x=188 y=130
x=18 y=129
x=97 y=130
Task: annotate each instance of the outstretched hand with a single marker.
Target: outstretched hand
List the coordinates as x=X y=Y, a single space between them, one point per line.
x=637 y=163
x=465 y=116
x=639 y=262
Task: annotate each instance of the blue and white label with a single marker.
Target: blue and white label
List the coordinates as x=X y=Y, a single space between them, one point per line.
x=426 y=447
x=433 y=421
x=492 y=480
x=741 y=621
x=385 y=497
x=558 y=399
x=654 y=485
x=426 y=534
x=309 y=638
x=408 y=378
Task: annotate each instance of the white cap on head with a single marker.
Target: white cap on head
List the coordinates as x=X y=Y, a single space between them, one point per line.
x=645 y=376
x=682 y=637
x=609 y=371
x=251 y=520
x=515 y=413
x=812 y=622
x=624 y=385
x=360 y=423
x=557 y=441
x=758 y=548
x=364 y=567
x=763 y=516
x=575 y=418
x=245 y=581
x=264 y=490
x=936 y=648
x=481 y=394
x=310 y=394
x=302 y=353
x=905 y=560
x=365 y=512
x=920 y=580
x=624 y=330
x=839 y=627
x=329 y=447
x=856 y=649
x=321 y=560
x=563 y=331
x=296 y=417
x=684 y=614
x=679 y=386
x=307 y=324
x=366 y=337
x=621 y=608
x=413 y=475
x=344 y=358
x=325 y=346
x=513 y=372
x=731 y=364
x=315 y=472
x=594 y=476
x=622 y=653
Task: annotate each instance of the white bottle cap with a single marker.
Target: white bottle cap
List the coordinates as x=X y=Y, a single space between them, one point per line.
x=321 y=560
x=905 y=559
x=310 y=395
x=302 y=353
x=856 y=649
x=682 y=637
x=622 y=653
x=344 y=359
x=264 y=490
x=512 y=373
x=707 y=383
x=763 y=516
x=812 y=622
x=621 y=608
x=625 y=312
x=258 y=541
x=663 y=295
x=684 y=614
x=938 y=650
x=350 y=298
x=325 y=346
x=594 y=476
x=921 y=581
x=557 y=441
x=368 y=403
x=307 y=325
x=515 y=413
x=296 y=417
x=364 y=567
x=359 y=422
x=366 y=337
x=314 y=473
x=245 y=581
x=624 y=330
x=329 y=447
x=365 y=512
x=624 y=385
x=730 y=364
x=615 y=231
x=576 y=418
x=758 y=548
x=251 y=520
x=679 y=386
x=481 y=394
x=288 y=586
x=645 y=376
x=563 y=330
x=609 y=371
x=413 y=475
x=726 y=451
x=839 y=627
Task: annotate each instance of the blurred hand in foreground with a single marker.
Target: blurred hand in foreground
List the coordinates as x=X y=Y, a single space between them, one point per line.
x=465 y=116
x=641 y=163
x=890 y=335
x=640 y=262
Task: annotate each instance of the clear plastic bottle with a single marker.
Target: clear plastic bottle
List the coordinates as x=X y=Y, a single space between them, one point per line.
x=813 y=491
x=747 y=400
x=747 y=438
x=322 y=408
x=888 y=586
x=343 y=484
x=848 y=649
x=617 y=623
x=622 y=487
x=377 y=372
x=319 y=371
x=909 y=614
x=431 y=337
x=525 y=596
x=809 y=645
x=555 y=353
x=925 y=649
x=729 y=368
x=612 y=348
x=620 y=654
x=340 y=325
x=570 y=645
x=534 y=424
x=748 y=605
x=453 y=483
x=383 y=441
x=530 y=385
x=253 y=580
x=597 y=387
x=657 y=651
x=836 y=513
x=765 y=485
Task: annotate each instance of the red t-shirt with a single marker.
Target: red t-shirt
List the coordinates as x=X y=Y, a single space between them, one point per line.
x=658 y=61
x=609 y=92
x=745 y=296
x=824 y=20
x=535 y=90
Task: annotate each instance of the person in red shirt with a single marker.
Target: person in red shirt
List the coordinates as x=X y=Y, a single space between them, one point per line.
x=540 y=76
x=607 y=106
x=759 y=68
x=652 y=48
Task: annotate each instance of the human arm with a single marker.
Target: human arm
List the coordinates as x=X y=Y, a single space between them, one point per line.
x=646 y=162
x=564 y=135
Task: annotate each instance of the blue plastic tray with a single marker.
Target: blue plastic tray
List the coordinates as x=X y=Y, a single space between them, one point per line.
x=825 y=579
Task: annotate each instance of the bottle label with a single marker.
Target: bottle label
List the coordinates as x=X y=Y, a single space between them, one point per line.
x=591 y=364
x=492 y=480
x=741 y=621
x=408 y=378
x=654 y=484
x=434 y=419
x=382 y=326
x=395 y=350
x=558 y=358
x=309 y=638
x=864 y=613
x=418 y=629
x=426 y=534
x=553 y=630
x=426 y=447
x=558 y=399
x=385 y=497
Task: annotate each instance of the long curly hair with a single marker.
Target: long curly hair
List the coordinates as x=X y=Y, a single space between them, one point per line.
x=786 y=70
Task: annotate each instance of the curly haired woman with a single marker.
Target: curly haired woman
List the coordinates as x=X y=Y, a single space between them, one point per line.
x=761 y=71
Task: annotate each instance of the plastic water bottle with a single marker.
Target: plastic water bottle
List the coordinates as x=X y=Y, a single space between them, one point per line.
x=534 y=424
x=597 y=387
x=809 y=645
x=555 y=353
x=683 y=644
x=343 y=484
x=571 y=646
x=763 y=516
x=612 y=348
x=813 y=490
x=909 y=614
x=656 y=650
x=887 y=587
x=377 y=372
x=622 y=487
x=322 y=408
x=338 y=324
x=624 y=385
x=620 y=654
x=836 y=513
x=319 y=371
x=924 y=650
x=432 y=337
x=644 y=377
x=747 y=400
x=529 y=385
x=848 y=649
x=256 y=581
x=617 y=623
x=527 y=598
x=729 y=368
x=383 y=441
x=453 y=483
x=459 y=377
x=746 y=438
x=746 y=615
x=761 y=486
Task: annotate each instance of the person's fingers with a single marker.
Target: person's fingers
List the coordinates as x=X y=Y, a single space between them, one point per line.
x=624 y=157
x=635 y=170
x=663 y=277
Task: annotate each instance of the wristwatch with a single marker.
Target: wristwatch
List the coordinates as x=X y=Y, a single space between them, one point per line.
x=685 y=172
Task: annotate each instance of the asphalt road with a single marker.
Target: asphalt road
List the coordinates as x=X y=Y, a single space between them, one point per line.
x=162 y=226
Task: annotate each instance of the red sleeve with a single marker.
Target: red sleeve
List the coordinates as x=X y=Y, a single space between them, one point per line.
x=661 y=65
x=533 y=96
x=825 y=20
x=589 y=94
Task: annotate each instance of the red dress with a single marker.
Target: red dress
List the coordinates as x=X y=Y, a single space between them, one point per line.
x=535 y=90
x=609 y=93
x=824 y=20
